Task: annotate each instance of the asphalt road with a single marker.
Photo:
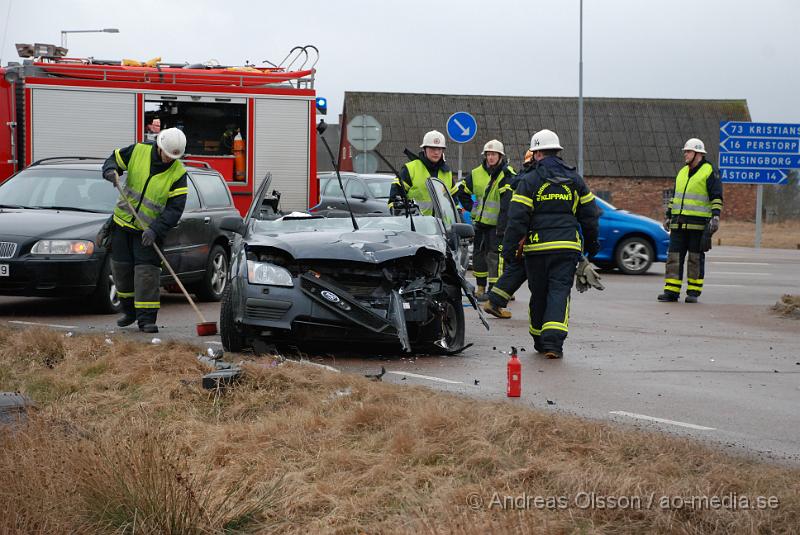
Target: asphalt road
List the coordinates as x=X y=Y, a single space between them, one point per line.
x=726 y=370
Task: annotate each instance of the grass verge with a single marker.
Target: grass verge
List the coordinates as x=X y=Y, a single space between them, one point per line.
x=126 y=441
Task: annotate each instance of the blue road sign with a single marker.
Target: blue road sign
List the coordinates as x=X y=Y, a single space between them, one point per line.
x=758 y=153
x=461 y=127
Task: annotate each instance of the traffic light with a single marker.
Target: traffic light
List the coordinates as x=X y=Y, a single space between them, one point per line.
x=322 y=105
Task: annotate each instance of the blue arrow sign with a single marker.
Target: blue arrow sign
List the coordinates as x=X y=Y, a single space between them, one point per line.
x=461 y=127
x=753 y=176
x=762 y=130
x=758 y=145
x=758 y=153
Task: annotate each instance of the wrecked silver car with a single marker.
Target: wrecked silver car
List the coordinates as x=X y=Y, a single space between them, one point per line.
x=302 y=278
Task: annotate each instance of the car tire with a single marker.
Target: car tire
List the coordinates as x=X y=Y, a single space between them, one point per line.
x=453 y=325
x=104 y=299
x=215 y=279
x=634 y=255
x=231 y=336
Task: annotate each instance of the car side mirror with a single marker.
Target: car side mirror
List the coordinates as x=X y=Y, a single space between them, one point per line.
x=359 y=196
x=232 y=223
x=463 y=230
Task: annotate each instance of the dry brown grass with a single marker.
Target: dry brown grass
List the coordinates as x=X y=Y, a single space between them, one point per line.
x=126 y=441
x=785 y=235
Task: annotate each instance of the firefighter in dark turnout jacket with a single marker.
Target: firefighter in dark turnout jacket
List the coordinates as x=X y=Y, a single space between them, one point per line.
x=156 y=186
x=512 y=275
x=551 y=207
x=414 y=174
x=694 y=209
x=486 y=182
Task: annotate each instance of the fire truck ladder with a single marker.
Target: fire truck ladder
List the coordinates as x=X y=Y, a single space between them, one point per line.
x=294 y=55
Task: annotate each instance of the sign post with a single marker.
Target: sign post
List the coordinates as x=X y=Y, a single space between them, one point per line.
x=461 y=128
x=758 y=153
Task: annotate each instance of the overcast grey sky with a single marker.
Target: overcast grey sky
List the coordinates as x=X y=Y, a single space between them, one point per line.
x=632 y=48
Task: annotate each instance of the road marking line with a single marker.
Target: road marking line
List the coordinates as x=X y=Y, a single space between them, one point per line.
x=214 y=342
x=428 y=377
x=45 y=324
x=743 y=263
x=662 y=420
x=740 y=273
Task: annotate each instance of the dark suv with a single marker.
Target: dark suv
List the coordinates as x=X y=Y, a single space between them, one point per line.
x=50 y=214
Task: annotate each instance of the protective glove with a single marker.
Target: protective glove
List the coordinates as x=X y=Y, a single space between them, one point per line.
x=586 y=276
x=112 y=176
x=666 y=224
x=148 y=237
x=713 y=225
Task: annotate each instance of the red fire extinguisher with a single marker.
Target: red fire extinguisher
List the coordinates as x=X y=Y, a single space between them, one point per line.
x=514 y=388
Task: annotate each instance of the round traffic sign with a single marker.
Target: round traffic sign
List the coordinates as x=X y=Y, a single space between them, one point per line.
x=462 y=127
x=365 y=162
x=364 y=132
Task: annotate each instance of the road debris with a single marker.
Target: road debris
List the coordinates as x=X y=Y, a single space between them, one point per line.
x=376 y=377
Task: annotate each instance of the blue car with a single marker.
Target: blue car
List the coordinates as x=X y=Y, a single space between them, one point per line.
x=628 y=241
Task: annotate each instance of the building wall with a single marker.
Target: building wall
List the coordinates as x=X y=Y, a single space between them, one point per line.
x=649 y=196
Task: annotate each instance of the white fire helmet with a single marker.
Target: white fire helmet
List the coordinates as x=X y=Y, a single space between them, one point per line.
x=545 y=140
x=172 y=142
x=695 y=145
x=494 y=146
x=434 y=138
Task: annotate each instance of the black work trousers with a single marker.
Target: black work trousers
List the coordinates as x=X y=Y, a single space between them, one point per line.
x=682 y=244
x=137 y=272
x=484 y=254
x=512 y=278
x=550 y=279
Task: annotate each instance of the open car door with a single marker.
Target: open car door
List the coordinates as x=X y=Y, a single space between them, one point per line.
x=444 y=209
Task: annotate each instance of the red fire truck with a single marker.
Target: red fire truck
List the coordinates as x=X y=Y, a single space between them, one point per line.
x=243 y=121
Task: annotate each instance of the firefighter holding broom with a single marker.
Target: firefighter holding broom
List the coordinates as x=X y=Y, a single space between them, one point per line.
x=156 y=188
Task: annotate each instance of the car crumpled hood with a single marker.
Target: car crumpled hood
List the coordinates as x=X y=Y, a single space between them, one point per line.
x=375 y=246
x=53 y=224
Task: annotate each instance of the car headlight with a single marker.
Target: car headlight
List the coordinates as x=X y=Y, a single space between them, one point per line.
x=265 y=273
x=83 y=247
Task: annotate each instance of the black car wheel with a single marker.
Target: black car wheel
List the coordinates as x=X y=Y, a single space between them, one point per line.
x=215 y=279
x=451 y=328
x=232 y=338
x=104 y=299
x=634 y=255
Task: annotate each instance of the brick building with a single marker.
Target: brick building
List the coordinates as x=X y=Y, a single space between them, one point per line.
x=632 y=148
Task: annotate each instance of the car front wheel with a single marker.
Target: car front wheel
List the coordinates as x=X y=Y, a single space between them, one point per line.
x=215 y=279
x=105 y=300
x=634 y=255
x=232 y=337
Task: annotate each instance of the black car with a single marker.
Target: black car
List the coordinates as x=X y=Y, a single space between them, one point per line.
x=307 y=278
x=51 y=212
x=368 y=194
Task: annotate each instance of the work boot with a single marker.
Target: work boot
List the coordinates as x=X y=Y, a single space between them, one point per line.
x=691 y=299
x=667 y=297
x=148 y=327
x=480 y=294
x=126 y=320
x=497 y=312
x=553 y=354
